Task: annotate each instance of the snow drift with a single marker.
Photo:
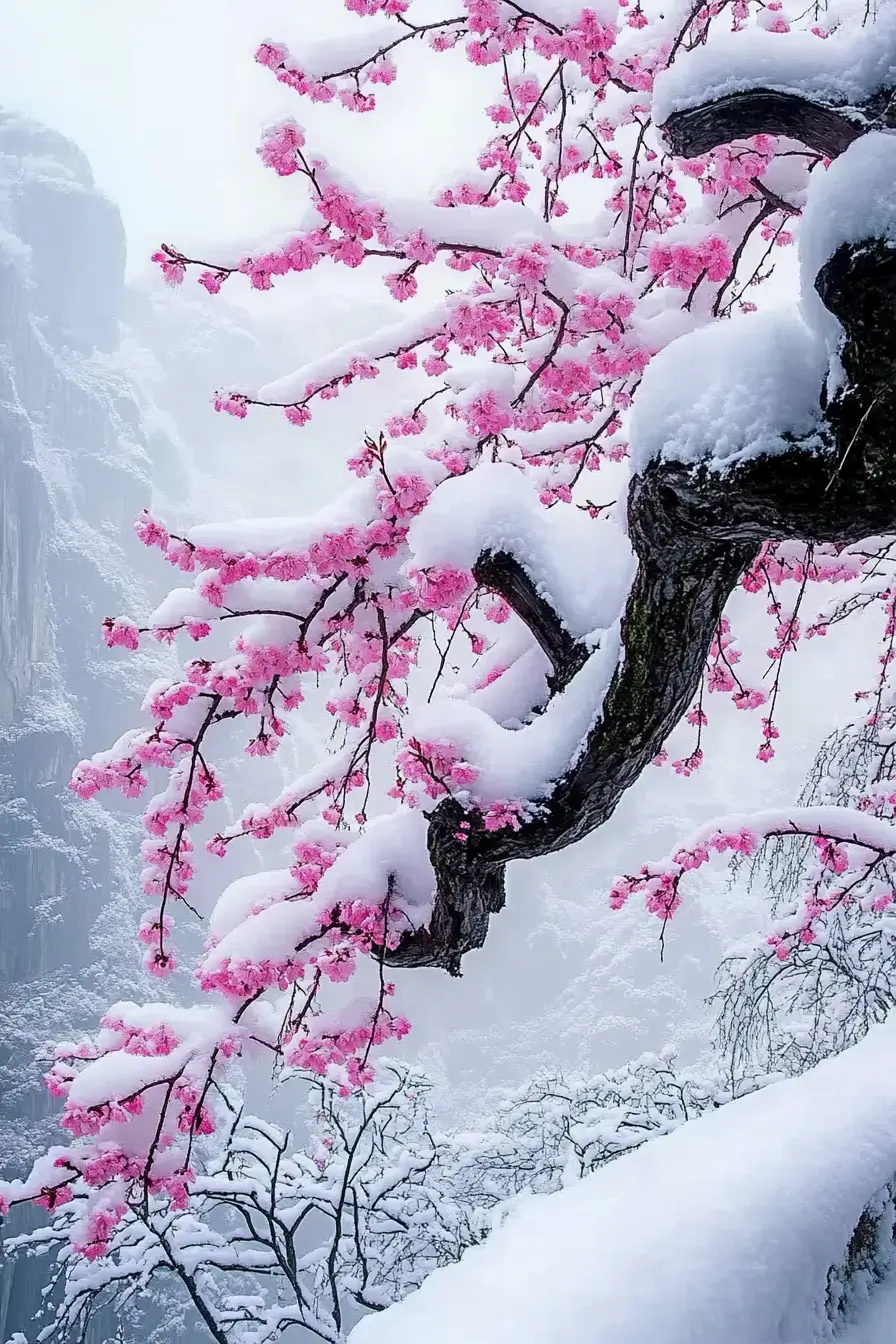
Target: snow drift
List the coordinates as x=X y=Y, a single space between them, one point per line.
x=724 y=1230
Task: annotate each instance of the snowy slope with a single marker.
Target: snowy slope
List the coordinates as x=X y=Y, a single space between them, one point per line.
x=877 y=1323
x=722 y=1231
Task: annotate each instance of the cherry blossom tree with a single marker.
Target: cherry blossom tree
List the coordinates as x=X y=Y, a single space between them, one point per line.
x=502 y=645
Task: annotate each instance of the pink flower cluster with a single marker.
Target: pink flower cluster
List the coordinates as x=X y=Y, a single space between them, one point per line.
x=659 y=883
x=442 y=588
x=504 y=816
x=431 y=770
x=344 y=1051
x=723 y=657
x=281 y=147
x=92 y=1238
x=354 y=227
x=684 y=264
x=846 y=861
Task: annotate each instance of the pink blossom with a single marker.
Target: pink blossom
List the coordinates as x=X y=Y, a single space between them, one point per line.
x=749 y=699
x=500 y=816
x=442 y=586
x=151 y=532
x=232 y=403
x=683 y=265
x=401 y=285
x=121 y=633
x=173 y=267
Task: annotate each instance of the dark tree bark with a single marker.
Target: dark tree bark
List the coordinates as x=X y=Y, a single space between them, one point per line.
x=762 y=112
x=694 y=533
x=504 y=575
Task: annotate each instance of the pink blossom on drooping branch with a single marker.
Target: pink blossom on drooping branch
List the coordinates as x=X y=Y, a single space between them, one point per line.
x=850 y=848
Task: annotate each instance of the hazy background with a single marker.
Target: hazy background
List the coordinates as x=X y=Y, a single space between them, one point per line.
x=166 y=101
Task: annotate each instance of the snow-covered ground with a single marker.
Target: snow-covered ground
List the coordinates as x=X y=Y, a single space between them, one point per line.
x=723 y=1230
x=876 y=1324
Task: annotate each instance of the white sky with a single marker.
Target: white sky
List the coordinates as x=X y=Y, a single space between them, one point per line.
x=165 y=99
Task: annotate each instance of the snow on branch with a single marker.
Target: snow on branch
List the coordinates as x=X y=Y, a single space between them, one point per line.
x=695 y=529
x=502 y=573
x=843 y=73
x=497 y=510
x=740 y=116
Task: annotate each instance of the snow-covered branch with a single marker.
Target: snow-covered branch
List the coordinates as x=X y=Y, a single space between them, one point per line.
x=695 y=528
x=740 y=116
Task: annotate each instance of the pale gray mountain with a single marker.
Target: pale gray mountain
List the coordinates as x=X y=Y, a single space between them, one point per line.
x=87 y=439
x=74 y=471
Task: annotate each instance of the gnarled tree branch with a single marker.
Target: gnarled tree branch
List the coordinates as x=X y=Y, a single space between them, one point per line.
x=694 y=532
x=504 y=575
x=697 y=130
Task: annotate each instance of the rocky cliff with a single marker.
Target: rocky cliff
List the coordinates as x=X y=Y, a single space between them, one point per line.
x=74 y=472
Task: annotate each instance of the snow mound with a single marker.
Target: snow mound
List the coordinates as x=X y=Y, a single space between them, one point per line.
x=876 y=1324
x=496 y=508
x=854 y=200
x=723 y=1230
x=846 y=67
x=527 y=762
x=730 y=392
x=733 y=391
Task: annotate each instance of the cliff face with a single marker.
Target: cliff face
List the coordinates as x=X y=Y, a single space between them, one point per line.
x=104 y=409
x=74 y=472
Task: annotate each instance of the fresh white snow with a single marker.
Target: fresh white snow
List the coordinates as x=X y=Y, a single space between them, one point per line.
x=722 y=1231
x=876 y=1324
x=854 y=200
x=730 y=392
x=733 y=391
x=524 y=762
x=846 y=67
x=497 y=508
